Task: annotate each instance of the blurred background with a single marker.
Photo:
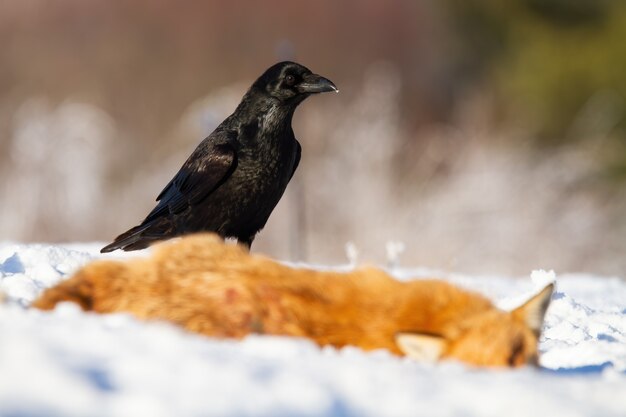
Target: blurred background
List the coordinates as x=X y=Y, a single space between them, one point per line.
x=484 y=136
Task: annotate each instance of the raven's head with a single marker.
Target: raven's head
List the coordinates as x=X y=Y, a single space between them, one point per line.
x=290 y=83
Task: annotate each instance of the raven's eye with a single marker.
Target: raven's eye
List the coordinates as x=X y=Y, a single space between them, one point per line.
x=290 y=79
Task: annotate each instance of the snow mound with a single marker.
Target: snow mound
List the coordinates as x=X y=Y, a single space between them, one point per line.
x=70 y=363
x=25 y=270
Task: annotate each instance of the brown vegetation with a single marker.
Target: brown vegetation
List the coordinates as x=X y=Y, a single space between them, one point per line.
x=488 y=138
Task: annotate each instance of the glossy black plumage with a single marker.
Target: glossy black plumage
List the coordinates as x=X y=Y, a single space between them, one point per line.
x=235 y=177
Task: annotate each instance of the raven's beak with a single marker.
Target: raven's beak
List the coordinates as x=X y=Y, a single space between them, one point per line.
x=313 y=83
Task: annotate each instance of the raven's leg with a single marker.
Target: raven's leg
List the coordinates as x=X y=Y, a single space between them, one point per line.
x=246 y=241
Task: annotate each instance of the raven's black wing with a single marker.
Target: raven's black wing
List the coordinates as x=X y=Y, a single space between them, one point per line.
x=205 y=170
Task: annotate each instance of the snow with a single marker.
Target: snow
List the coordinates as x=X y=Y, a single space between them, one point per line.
x=70 y=363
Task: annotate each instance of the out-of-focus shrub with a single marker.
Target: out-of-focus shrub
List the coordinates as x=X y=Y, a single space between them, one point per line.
x=557 y=67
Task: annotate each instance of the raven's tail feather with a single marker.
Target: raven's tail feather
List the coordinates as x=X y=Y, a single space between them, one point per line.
x=127 y=238
x=142 y=236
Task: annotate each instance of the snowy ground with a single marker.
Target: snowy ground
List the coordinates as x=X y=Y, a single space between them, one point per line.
x=68 y=363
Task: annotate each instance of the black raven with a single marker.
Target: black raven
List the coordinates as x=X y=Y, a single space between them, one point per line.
x=233 y=180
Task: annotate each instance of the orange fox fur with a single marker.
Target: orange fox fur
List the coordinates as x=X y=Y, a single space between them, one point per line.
x=219 y=290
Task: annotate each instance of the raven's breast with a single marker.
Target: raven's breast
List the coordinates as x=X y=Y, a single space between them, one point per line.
x=248 y=197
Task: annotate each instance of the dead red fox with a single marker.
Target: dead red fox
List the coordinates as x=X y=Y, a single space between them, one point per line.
x=220 y=290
